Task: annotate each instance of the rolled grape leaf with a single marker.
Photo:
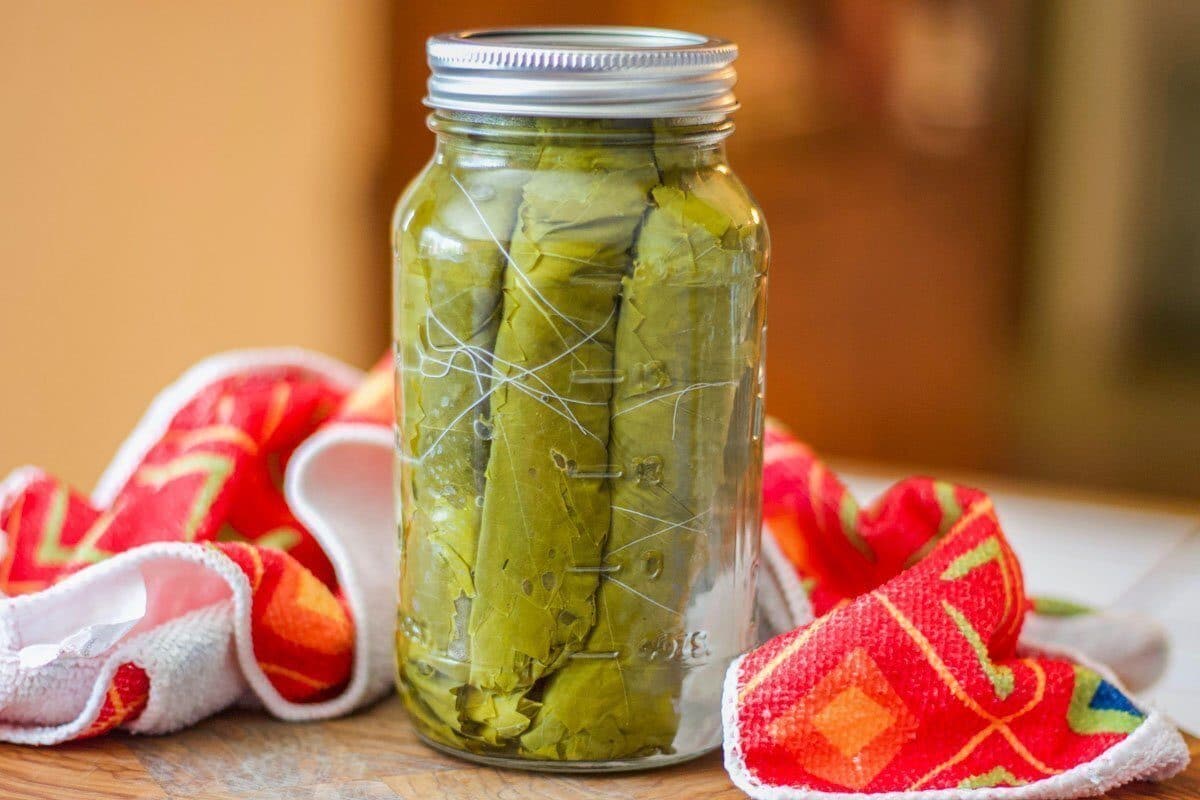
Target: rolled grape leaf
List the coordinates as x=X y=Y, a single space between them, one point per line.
x=452 y=250
x=680 y=349
x=546 y=503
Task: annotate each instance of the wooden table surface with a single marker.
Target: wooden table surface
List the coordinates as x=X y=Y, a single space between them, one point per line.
x=371 y=755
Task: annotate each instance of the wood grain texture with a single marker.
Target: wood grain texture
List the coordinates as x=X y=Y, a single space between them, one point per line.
x=374 y=755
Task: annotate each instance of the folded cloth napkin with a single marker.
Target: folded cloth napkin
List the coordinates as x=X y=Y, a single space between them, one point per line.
x=911 y=678
x=241 y=549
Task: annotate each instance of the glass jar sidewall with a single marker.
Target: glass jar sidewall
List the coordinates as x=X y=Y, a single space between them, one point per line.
x=450 y=244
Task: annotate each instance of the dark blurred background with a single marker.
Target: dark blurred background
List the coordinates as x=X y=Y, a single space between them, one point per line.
x=985 y=213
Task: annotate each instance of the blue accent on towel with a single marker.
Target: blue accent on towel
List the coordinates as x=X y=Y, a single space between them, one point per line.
x=1109 y=698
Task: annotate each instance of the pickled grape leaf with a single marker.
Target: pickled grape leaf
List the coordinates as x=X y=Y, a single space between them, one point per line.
x=546 y=501
x=575 y=338
x=453 y=254
x=679 y=346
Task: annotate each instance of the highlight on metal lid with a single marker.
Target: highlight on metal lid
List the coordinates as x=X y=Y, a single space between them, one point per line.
x=576 y=71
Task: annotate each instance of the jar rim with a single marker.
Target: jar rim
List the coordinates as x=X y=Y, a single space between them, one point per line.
x=582 y=71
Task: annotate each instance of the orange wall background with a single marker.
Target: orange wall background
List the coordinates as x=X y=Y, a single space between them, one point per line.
x=178 y=179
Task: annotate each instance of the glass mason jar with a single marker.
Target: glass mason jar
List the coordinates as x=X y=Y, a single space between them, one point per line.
x=579 y=324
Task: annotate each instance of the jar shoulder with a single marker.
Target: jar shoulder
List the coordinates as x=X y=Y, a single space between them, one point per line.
x=471 y=196
x=721 y=186
x=415 y=193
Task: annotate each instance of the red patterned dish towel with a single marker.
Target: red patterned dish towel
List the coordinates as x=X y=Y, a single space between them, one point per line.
x=912 y=679
x=239 y=548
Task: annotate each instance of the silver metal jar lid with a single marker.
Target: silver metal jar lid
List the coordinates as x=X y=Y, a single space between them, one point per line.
x=607 y=72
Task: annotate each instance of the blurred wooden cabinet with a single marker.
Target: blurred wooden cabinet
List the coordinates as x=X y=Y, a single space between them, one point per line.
x=1110 y=346
x=893 y=197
